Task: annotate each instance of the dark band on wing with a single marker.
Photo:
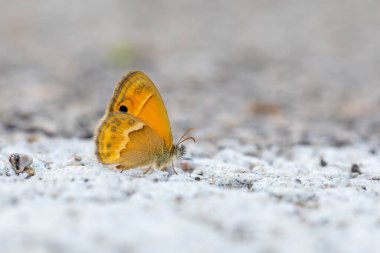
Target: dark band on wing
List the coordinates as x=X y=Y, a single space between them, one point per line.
x=119 y=88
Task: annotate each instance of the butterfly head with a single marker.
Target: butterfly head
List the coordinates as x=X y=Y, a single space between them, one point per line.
x=180 y=150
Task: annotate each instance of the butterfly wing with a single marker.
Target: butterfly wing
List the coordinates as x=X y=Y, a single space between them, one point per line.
x=125 y=140
x=138 y=96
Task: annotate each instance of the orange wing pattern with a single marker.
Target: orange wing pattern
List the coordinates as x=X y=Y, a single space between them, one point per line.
x=137 y=95
x=124 y=139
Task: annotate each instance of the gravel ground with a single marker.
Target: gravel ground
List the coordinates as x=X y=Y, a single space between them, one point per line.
x=283 y=96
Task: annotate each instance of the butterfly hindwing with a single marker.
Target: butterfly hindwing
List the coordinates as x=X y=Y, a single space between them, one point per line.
x=124 y=139
x=137 y=95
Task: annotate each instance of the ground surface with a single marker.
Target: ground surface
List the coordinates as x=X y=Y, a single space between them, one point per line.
x=284 y=97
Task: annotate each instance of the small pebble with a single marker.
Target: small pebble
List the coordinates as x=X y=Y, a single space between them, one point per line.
x=21 y=164
x=355 y=169
x=323 y=162
x=77 y=158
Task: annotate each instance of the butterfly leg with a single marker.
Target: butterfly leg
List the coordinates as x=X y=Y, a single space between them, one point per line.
x=173 y=168
x=148 y=170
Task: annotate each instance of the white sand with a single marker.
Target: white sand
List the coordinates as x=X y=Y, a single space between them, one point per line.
x=277 y=206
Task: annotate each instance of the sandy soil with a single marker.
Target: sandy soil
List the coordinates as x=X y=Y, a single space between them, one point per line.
x=284 y=97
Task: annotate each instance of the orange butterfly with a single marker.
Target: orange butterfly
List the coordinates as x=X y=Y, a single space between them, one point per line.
x=135 y=130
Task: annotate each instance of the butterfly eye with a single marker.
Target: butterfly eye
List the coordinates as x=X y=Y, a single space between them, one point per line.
x=123 y=108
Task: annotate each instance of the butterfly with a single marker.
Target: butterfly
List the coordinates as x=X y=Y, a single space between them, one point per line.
x=135 y=130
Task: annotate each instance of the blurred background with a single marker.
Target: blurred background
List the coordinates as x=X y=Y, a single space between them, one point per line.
x=280 y=72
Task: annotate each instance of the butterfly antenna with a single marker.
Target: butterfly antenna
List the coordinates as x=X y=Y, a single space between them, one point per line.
x=186 y=139
x=183 y=136
x=173 y=168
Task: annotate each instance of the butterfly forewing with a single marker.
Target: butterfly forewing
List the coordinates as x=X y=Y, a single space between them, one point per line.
x=137 y=95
